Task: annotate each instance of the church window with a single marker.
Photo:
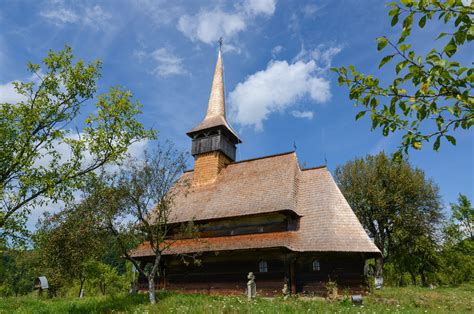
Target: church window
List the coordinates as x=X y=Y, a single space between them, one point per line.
x=316 y=265
x=262 y=266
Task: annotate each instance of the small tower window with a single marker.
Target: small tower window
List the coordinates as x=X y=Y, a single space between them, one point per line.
x=316 y=265
x=262 y=266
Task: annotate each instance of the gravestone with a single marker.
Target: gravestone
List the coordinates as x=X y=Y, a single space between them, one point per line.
x=285 y=291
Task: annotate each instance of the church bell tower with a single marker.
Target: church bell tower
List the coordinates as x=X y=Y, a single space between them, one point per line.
x=213 y=140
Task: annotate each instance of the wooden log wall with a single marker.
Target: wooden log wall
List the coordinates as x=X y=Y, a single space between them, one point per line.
x=226 y=273
x=252 y=224
x=346 y=269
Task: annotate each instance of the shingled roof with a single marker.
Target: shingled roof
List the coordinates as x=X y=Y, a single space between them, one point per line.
x=272 y=184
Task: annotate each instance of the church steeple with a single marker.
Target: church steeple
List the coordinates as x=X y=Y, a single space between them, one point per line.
x=215 y=120
x=216 y=104
x=214 y=141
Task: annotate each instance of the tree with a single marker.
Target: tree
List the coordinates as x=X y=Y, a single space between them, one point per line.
x=102 y=275
x=66 y=242
x=135 y=206
x=463 y=218
x=431 y=96
x=34 y=131
x=458 y=248
x=399 y=208
x=18 y=269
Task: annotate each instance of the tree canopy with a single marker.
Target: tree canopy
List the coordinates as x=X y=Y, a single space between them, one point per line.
x=397 y=205
x=46 y=151
x=430 y=96
x=67 y=241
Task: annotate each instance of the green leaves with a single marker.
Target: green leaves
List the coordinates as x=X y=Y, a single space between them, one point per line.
x=430 y=96
x=395 y=202
x=451 y=139
x=382 y=42
x=422 y=21
x=33 y=170
x=450 y=48
x=360 y=114
x=385 y=60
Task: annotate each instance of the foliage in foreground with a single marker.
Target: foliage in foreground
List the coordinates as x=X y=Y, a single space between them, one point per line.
x=409 y=299
x=43 y=158
x=430 y=96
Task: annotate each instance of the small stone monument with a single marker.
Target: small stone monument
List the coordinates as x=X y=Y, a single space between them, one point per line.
x=285 y=291
x=251 y=286
x=378 y=282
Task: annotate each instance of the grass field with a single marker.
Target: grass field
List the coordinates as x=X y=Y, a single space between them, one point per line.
x=389 y=300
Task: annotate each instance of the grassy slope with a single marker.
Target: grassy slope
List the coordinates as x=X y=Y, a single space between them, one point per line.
x=410 y=299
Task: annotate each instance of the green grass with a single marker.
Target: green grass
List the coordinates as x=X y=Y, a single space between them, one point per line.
x=389 y=300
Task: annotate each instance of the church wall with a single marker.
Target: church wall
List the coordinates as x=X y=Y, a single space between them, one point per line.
x=226 y=272
x=346 y=269
x=250 y=224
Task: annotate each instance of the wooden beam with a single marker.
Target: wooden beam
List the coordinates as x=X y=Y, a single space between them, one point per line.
x=292 y=275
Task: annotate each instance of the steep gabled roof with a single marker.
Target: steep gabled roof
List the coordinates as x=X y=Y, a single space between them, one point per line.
x=271 y=184
x=242 y=188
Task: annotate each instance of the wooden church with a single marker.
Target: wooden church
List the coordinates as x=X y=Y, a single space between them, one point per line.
x=266 y=215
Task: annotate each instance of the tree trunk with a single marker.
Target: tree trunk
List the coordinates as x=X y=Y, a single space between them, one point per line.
x=413 y=278
x=379 y=271
x=151 y=278
x=151 y=288
x=423 y=279
x=81 y=290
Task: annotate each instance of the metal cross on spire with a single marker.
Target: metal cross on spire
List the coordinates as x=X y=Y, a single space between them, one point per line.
x=221 y=42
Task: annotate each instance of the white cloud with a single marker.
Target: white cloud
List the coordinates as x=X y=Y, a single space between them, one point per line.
x=310 y=10
x=96 y=17
x=135 y=150
x=322 y=54
x=266 y=7
x=208 y=26
x=59 y=14
x=281 y=85
x=302 y=114
x=8 y=94
x=158 y=10
x=276 y=50
x=325 y=56
x=164 y=62
x=275 y=89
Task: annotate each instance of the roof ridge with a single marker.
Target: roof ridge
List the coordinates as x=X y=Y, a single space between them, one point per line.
x=314 y=168
x=263 y=157
x=256 y=158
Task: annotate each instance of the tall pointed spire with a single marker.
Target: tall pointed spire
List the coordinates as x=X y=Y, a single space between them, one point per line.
x=216 y=113
x=216 y=104
x=214 y=141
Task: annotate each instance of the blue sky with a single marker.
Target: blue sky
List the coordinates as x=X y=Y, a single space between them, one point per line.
x=276 y=56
